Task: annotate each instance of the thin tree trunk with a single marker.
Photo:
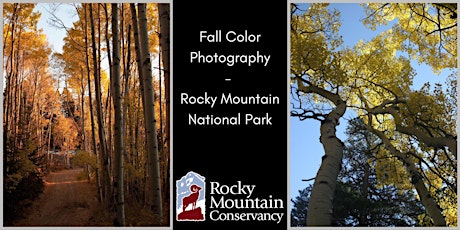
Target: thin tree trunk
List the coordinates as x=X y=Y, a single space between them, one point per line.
x=137 y=50
x=141 y=87
x=101 y=190
x=82 y=102
x=161 y=144
x=160 y=103
x=127 y=74
x=163 y=12
x=430 y=204
x=447 y=140
x=118 y=124
x=15 y=96
x=365 y=193
x=97 y=84
x=10 y=63
x=109 y=110
x=137 y=148
x=109 y=58
x=126 y=105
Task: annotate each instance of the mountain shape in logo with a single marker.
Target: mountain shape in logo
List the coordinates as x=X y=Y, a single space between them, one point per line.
x=190 y=199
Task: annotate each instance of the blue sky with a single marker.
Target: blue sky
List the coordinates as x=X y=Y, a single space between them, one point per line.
x=55 y=36
x=305 y=149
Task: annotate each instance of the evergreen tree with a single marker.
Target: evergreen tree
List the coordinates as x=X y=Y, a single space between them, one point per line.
x=300 y=205
x=361 y=198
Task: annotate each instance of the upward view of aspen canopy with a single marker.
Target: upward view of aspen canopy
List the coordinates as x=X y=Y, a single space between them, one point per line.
x=86 y=125
x=402 y=139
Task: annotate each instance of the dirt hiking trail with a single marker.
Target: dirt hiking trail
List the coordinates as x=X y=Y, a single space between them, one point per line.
x=65 y=201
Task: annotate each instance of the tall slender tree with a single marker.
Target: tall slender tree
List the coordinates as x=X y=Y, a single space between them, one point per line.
x=100 y=120
x=101 y=189
x=154 y=191
x=163 y=13
x=118 y=124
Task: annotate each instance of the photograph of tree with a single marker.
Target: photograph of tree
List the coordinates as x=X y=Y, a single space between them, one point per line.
x=86 y=114
x=373 y=106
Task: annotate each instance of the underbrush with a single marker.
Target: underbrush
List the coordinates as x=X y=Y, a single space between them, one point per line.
x=16 y=200
x=136 y=215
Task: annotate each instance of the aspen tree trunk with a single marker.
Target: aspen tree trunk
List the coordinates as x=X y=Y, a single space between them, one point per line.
x=447 y=140
x=15 y=93
x=141 y=85
x=109 y=58
x=126 y=106
x=322 y=193
x=163 y=13
x=154 y=196
x=100 y=121
x=118 y=124
x=320 y=206
x=430 y=204
x=82 y=104
x=9 y=77
x=101 y=190
x=163 y=155
x=137 y=50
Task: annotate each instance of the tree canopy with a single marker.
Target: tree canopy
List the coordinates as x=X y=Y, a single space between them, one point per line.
x=373 y=80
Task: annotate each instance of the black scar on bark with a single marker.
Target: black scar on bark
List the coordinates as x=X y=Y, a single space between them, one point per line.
x=323 y=182
x=323 y=157
x=414 y=179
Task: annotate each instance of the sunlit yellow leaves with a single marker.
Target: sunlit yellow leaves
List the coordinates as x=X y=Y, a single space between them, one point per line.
x=313 y=37
x=425 y=220
x=429 y=31
x=375 y=72
x=65 y=133
x=21 y=15
x=153 y=27
x=450 y=210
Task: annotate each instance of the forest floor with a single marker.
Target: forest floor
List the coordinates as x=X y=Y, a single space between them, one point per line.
x=66 y=201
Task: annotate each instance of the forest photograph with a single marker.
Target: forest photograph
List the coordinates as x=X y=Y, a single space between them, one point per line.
x=86 y=114
x=373 y=114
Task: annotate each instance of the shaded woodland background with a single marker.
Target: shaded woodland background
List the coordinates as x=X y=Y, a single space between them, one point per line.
x=101 y=104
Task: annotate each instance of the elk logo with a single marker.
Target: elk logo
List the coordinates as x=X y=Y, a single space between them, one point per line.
x=190 y=199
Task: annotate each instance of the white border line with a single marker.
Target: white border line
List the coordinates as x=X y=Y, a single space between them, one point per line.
x=288 y=113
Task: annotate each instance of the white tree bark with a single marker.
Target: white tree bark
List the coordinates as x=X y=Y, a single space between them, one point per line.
x=435 y=142
x=320 y=205
x=118 y=124
x=154 y=197
x=100 y=120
